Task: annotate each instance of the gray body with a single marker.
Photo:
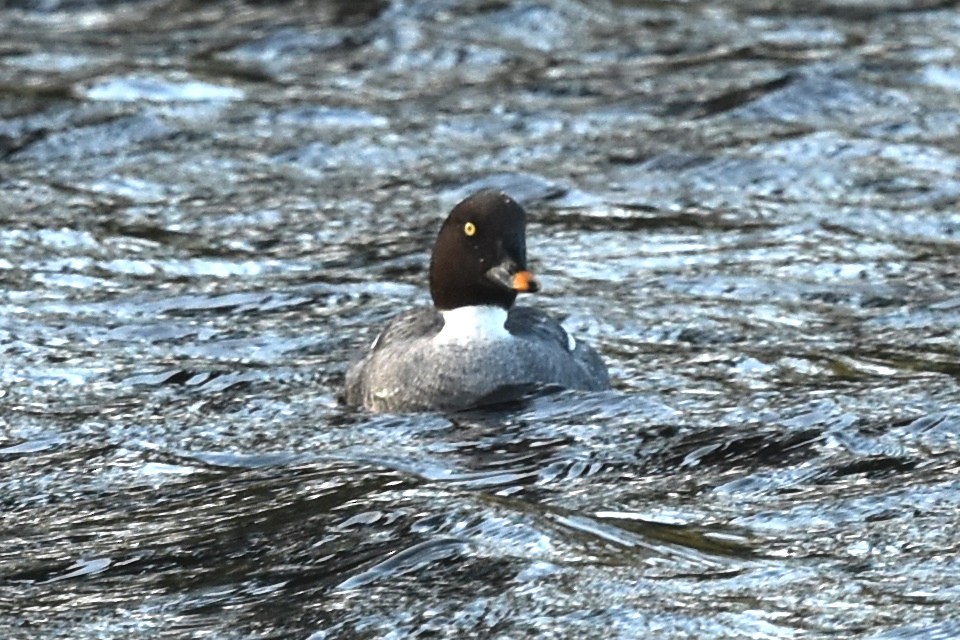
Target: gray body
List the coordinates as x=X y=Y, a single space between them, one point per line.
x=409 y=370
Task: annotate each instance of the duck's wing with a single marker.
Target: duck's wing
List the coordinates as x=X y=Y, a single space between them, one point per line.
x=409 y=325
x=421 y=322
x=532 y=323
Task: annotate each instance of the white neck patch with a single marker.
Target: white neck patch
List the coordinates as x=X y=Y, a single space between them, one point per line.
x=475 y=323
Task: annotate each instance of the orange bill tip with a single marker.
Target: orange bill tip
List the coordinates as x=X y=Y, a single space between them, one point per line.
x=525 y=281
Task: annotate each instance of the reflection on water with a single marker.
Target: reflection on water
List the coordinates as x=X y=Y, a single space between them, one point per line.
x=750 y=211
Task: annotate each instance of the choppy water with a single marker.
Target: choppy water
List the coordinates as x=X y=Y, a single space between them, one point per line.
x=751 y=210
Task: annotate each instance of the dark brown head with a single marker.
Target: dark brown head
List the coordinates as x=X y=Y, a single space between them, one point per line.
x=480 y=257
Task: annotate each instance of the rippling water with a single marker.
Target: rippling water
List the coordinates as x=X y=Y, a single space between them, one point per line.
x=751 y=211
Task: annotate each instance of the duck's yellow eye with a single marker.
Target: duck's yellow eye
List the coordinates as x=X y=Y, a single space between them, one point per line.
x=469 y=228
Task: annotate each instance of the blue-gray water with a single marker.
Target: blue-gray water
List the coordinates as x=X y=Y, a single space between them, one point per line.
x=751 y=210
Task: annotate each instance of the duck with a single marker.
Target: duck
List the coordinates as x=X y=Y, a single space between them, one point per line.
x=473 y=347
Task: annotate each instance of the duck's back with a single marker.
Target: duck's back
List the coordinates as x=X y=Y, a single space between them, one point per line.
x=412 y=367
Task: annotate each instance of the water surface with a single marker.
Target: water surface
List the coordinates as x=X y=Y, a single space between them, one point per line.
x=751 y=211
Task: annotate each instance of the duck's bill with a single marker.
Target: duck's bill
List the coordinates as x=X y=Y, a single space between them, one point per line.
x=509 y=277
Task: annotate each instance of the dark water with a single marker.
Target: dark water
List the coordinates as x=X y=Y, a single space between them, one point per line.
x=751 y=210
